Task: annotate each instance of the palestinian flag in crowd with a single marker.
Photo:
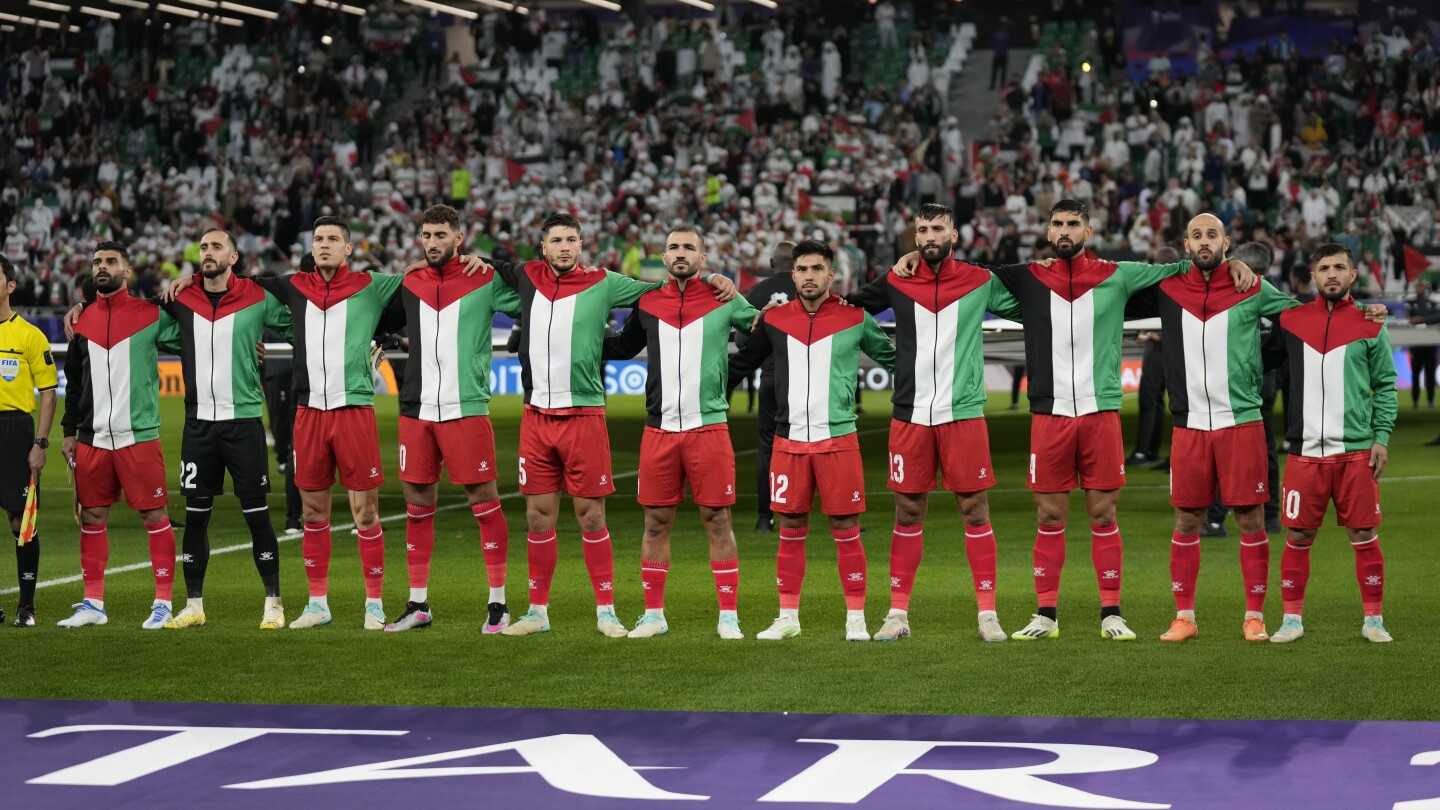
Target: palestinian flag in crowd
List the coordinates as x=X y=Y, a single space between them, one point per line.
x=741 y=125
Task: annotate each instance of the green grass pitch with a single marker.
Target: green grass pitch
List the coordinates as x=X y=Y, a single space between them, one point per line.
x=944 y=669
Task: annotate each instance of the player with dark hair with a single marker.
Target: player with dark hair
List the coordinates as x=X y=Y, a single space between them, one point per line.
x=112 y=430
x=1342 y=376
x=220 y=322
x=564 y=442
x=939 y=417
x=335 y=312
x=1073 y=310
x=445 y=407
x=816 y=342
x=686 y=333
x=26 y=366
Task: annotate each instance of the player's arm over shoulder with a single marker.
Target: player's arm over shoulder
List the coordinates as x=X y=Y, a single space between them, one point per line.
x=877 y=344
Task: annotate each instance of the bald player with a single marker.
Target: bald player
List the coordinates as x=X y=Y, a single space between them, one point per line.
x=1213 y=373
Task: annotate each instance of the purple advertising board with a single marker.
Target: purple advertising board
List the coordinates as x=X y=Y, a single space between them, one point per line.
x=63 y=754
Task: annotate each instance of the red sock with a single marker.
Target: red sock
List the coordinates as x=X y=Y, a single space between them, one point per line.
x=980 y=551
x=94 y=554
x=1184 y=568
x=851 y=557
x=372 y=560
x=727 y=581
x=790 y=566
x=600 y=562
x=1294 y=574
x=1255 y=568
x=1106 y=554
x=419 y=543
x=652 y=581
x=1370 y=572
x=542 y=554
x=316 y=550
x=907 y=545
x=162 y=557
x=494 y=539
x=1049 y=561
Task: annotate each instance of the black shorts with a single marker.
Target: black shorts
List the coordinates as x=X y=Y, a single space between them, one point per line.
x=208 y=449
x=17 y=436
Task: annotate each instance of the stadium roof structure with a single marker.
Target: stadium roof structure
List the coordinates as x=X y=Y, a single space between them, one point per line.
x=51 y=14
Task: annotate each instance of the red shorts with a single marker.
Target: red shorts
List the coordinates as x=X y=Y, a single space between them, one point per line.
x=1233 y=458
x=839 y=476
x=139 y=470
x=1311 y=483
x=565 y=453
x=466 y=447
x=1086 y=449
x=343 y=438
x=961 y=449
x=704 y=457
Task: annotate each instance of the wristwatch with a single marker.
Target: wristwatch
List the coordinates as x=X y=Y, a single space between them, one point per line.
x=42 y=443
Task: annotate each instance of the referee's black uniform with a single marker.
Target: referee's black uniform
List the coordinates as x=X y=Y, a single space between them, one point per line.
x=26 y=365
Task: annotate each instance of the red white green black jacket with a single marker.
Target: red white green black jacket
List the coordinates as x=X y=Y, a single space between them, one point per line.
x=562 y=321
x=817 y=360
x=686 y=334
x=939 y=348
x=1342 y=379
x=334 y=323
x=1074 y=315
x=112 y=373
x=448 y=317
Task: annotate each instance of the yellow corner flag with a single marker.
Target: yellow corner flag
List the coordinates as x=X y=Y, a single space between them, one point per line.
x=32 y=510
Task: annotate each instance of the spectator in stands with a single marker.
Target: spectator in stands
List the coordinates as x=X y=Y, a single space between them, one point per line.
x=1423 y=309
x=1000 y=59
x=885 y=25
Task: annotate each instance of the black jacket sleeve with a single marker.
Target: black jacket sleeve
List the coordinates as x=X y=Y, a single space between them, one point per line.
x=632 y=338
x=275 y=285
x=76 y=357
x=1273 y=351
x=751 y=355
x=509 y=272
x=392 y=319
x=874 y=297
x=1145 y=303
x=1011 y=275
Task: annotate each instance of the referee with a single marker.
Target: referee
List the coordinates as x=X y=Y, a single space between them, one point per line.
x=26 y=364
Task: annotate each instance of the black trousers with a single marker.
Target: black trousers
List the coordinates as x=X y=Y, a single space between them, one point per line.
x=1152 y=401
x=764 y=441
x=280 y=402
x=1422 y=364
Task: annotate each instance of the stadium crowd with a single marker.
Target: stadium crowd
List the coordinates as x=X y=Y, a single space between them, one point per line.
x=746 y=128
x=756 y=132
